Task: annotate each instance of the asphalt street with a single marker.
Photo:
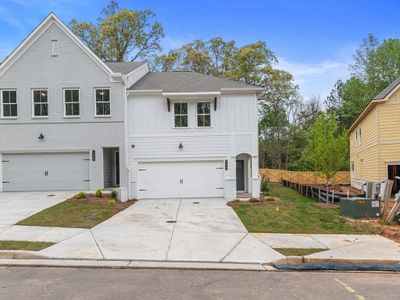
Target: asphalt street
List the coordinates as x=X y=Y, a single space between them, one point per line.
x=78 y=283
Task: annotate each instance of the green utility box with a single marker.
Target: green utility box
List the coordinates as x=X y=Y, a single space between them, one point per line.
x=357 y=208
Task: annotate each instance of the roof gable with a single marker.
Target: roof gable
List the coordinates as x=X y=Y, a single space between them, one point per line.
x=38 y=32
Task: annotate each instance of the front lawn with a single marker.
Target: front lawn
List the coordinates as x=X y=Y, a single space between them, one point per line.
x=24 y=245
x=295 y=214
x=77 y=213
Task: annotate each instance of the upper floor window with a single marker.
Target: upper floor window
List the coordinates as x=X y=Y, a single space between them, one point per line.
x=40 y=103
x=359 y=136
x=71 y=102
x=181 y=114
x=54 y=48
x=203 y=114
x=8 y=104
x=103 y=102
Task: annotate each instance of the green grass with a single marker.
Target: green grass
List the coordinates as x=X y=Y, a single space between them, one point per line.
x=23 y=245
x=296 y=214
x=75 y=213
x=298 y=251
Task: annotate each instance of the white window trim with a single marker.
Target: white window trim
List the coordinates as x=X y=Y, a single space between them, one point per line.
x=95 y=102
x=197 y=115
x=2 y=107
x=173 y=114
x=33 y=105
x=65 y=104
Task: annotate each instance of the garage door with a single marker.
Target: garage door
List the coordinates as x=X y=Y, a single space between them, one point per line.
x=180 y=179
x=45 y=171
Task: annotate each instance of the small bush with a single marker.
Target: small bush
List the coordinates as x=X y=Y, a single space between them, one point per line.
x=114 y=194
x=80 y=195
x=99 y=193
x=111 y=202
x=254 y=200
x=264 y=184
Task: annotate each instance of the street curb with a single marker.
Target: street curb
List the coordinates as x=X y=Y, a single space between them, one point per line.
x=131 y=264
x=351 y=261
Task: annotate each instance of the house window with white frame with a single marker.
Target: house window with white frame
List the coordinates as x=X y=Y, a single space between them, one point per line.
x=103 y=102
x=40 y=103
x=181 y=115
x=71 y=102
x=9 y=104
x=203 y=114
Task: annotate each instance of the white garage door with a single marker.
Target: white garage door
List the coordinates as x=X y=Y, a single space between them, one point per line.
x=180 y=179
x=45 y=171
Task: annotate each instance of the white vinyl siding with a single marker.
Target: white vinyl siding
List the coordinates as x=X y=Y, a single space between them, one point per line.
x=40 y=104
x=102 y=101
x=8 y=99
x=71 y=103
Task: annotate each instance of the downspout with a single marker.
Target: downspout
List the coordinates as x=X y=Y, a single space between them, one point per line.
x=128 y=187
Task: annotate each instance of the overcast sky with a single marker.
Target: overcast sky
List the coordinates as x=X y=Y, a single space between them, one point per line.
x=313 y=39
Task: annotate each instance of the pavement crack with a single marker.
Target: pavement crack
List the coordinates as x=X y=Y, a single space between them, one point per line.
x=95 y=241
x=234 y=247
x=173 y=229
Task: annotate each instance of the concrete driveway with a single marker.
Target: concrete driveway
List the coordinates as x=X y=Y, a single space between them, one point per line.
x=173 y=230
x=16 y=206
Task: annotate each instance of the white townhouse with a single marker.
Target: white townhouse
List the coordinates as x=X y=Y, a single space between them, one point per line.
x=69 y=121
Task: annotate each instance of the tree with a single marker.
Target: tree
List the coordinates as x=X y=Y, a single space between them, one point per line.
x=121 y=34
x=326 y=151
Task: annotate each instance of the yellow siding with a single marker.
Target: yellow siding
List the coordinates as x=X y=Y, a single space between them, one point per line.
x=380 y=142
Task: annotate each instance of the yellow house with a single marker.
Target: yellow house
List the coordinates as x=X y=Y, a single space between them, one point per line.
x=375 y=139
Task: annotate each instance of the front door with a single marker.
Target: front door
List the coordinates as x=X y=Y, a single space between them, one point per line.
x=240 y=175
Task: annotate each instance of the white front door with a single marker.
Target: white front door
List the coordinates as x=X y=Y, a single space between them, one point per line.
x=45 y=171
x=180 y=179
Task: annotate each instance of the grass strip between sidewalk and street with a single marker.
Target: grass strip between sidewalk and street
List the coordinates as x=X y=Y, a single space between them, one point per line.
x=295 y=213
x=24 y=245
x=298 y=251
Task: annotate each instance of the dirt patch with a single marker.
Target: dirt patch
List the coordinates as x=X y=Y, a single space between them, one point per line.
x=103 y=199
x=341 y=190
x=261 y=200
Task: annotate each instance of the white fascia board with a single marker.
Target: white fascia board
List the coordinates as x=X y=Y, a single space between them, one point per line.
x=242 y=90
x=37 y=32
x=145 y=92
x=136 y=75
x=177 y=94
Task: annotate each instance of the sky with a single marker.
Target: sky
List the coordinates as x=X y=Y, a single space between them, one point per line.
x=313 y=39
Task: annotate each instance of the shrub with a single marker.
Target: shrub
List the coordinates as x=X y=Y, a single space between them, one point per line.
x=114 y=194
x=99 y=193
x=111 y=202
x=254 y=200
x=80 y=195
x=264 y=184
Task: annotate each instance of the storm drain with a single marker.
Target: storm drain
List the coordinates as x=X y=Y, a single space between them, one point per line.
x=50 y=195
x=196 y=202
x=171 y=222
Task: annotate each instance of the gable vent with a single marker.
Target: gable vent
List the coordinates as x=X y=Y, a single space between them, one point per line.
x=54 y=48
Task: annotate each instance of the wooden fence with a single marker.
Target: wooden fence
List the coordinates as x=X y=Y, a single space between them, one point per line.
x=275 y=175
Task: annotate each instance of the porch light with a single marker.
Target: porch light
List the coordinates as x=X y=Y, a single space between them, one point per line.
x=169 y=104
x=180 y=146
x=41 y=137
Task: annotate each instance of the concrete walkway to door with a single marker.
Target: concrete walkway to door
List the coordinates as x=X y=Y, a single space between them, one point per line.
x=201 y=230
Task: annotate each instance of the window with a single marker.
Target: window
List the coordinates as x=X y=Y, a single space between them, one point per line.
x=40 y=104
x=359 y=135
x=71 y=101
x=103 y=102
x=8 y=104
x=203 y=114
x=181 y=114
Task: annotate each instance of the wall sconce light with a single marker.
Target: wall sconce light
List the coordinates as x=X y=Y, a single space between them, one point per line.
x=169 y=104
x=41 y=137
x=93 y=155
x=180 y=146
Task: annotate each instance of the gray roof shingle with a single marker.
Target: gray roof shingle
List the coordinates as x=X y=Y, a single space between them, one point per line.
x=386 y=91
x=124 y=67
x=185 y=82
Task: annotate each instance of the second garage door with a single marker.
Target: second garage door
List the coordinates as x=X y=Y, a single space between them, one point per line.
x=45 y=171
x=180 y=179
